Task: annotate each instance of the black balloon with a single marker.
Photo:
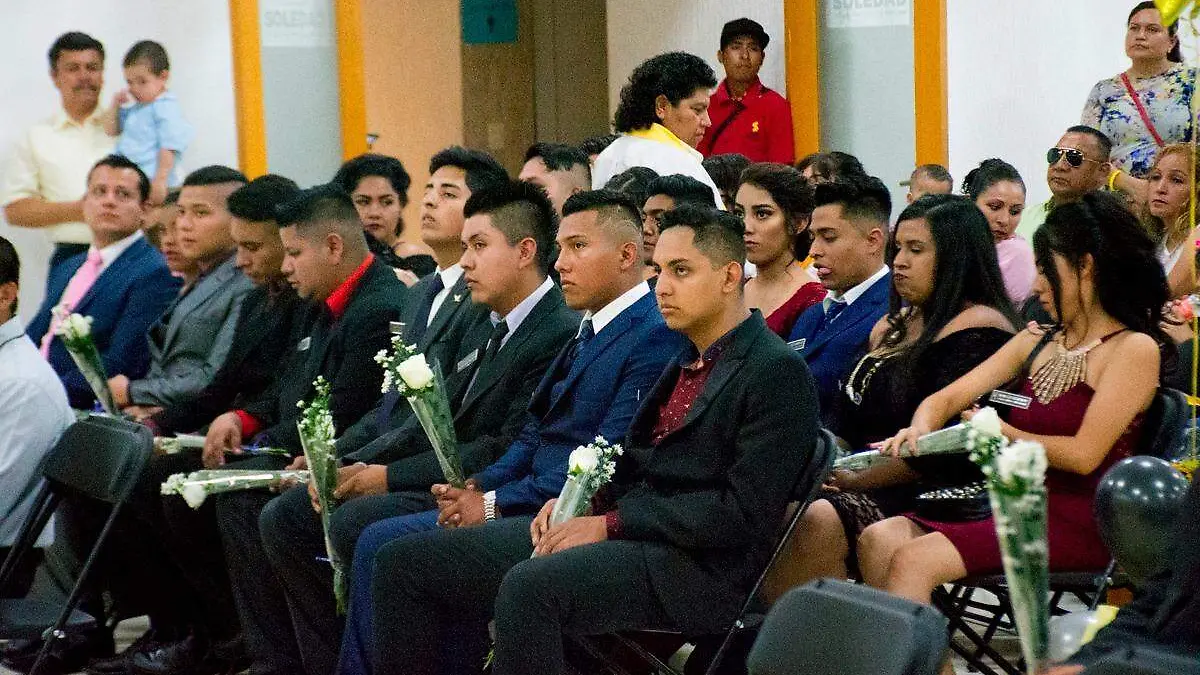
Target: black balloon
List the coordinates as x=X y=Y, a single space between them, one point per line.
x=1136 y=505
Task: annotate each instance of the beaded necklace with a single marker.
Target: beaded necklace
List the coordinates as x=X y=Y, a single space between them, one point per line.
x=1065 y=369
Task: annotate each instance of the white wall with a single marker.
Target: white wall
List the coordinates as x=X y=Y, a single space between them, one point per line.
x=1018 y=73
x=196 y=35
x=639 y=29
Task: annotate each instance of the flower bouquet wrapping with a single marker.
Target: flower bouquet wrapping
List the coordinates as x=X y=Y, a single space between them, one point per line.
x=406 y=372
x=197 y=486
x=75 y=331
x=317 y=439
x=951 y=440
x=1016 y=480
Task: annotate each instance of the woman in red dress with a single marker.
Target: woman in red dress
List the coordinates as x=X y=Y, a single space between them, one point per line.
x=775 y=202
x=1089 y=386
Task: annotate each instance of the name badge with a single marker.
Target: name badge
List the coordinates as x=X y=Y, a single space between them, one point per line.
x=1010 y=399
x=396 y=327
x=304 y=344
x=467 y=361
x=797 y=345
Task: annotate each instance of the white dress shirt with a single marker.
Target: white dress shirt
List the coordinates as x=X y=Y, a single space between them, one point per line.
x=450 y=276
x=610 y=311
x=33 y=414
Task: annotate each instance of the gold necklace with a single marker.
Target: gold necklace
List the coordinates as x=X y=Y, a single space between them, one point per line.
x=1065 y=369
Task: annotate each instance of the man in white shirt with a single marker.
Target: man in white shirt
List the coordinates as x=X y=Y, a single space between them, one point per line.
x=33 y=409
x=43 y=186
x=661 y=118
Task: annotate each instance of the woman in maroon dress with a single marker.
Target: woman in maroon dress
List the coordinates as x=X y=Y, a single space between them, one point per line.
x=775 y=202
x=1089 y=386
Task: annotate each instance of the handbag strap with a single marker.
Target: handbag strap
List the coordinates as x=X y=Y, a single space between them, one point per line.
x=1137 y=102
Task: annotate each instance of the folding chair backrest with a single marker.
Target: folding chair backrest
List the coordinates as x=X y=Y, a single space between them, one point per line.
x=818 y=467
x=100 y=457
x=831 y=626
x=1165 y=421
x=1145 y=660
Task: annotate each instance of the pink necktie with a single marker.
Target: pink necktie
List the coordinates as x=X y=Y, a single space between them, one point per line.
x=79 y=285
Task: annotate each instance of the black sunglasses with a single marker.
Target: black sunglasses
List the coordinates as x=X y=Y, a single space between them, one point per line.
x=1074 y=157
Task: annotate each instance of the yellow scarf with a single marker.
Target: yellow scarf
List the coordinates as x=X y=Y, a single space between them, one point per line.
x=660 y=134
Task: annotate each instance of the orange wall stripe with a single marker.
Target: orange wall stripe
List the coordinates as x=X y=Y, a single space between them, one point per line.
x=802 y=43
x=351 y=76
x=248 y=87
x=929 y=79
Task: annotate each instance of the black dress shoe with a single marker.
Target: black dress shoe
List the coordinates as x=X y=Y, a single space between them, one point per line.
x=67 y=655
x=185 y=657
x=118 y=664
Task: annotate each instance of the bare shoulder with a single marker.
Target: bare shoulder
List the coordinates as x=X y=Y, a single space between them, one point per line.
x=978 y=316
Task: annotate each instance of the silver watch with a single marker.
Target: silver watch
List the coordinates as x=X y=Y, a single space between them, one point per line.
x=490 y=512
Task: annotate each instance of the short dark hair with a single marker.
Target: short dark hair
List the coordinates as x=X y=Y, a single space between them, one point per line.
x=832 y=165
x=1100 y=137
x=73 y=42
x=122 y=162
x=172 y=197
x=725 y=170
x=151 y=54
x=676 y=75
x=633 y=182
x=350 y=174
x=596 y=144
x=10 y=267
x=988 y=173
x=214 y=174
x=558 y=156
x=610 y=205
x=720 y=236
x=481 y=169
x=326 y=202
x=744 y=28
x=519 y=210
x=792 y=194
x=935 y=172
x=257 y=200
x=681 y=189
x=860 y=196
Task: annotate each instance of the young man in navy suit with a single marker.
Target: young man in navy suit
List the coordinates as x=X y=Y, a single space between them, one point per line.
x=850 y=232
x=593 y=388
x=122 y=282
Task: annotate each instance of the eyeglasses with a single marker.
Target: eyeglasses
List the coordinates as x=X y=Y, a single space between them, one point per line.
x=1074 y=157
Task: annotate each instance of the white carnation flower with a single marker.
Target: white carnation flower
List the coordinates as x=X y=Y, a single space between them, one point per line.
x=583 y=460
x=193 y=494
x=986 y=421
x=415 y=372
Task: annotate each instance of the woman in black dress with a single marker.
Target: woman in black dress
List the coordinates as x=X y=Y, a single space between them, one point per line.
x=949 y=312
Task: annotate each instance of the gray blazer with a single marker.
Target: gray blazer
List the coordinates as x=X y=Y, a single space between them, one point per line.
x=189 y=342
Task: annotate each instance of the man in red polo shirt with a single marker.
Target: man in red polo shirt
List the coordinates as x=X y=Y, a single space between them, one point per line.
x=747 y=117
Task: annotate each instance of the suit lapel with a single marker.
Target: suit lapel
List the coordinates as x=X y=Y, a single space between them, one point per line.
x=596 y=346
x=203 y=290
x=861 y=310
x=117 y=270
x=488 y=374
x=450 y=306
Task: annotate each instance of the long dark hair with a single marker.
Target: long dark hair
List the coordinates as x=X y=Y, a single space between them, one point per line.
x=1128 y=276
x=1175 y=55
x=794 y=196
x=967 y=271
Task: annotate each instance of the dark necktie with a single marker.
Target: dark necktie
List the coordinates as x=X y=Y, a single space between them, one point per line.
x=586 y=332
x=489 y=353
x=835 y=308
x=421 y=318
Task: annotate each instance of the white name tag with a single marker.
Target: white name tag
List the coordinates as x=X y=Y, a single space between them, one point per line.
x=1010 y=399
x=304 y=344
x=396 y=327
x=467 y=361
x=797 y=345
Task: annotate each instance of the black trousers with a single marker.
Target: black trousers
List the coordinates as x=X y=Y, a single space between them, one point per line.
x=284 y=588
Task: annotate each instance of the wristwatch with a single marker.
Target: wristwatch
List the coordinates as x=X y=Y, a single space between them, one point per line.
x=490 y=512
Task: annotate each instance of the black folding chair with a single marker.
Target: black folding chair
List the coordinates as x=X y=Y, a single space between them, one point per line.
x=803 y=491
x=97 y=457
x=978 y=620
x=834 y=619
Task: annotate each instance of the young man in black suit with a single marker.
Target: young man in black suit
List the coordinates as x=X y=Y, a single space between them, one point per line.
x=354 y=298
x=506 y=241
x=438 y=317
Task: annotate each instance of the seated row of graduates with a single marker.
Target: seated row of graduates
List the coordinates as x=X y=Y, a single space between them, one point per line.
x=718 y=414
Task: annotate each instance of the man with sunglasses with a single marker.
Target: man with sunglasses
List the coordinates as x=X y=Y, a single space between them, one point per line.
x=1078 y=164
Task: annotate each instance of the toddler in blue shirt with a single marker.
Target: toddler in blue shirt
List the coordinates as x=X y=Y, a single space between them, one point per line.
x=147 y=118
